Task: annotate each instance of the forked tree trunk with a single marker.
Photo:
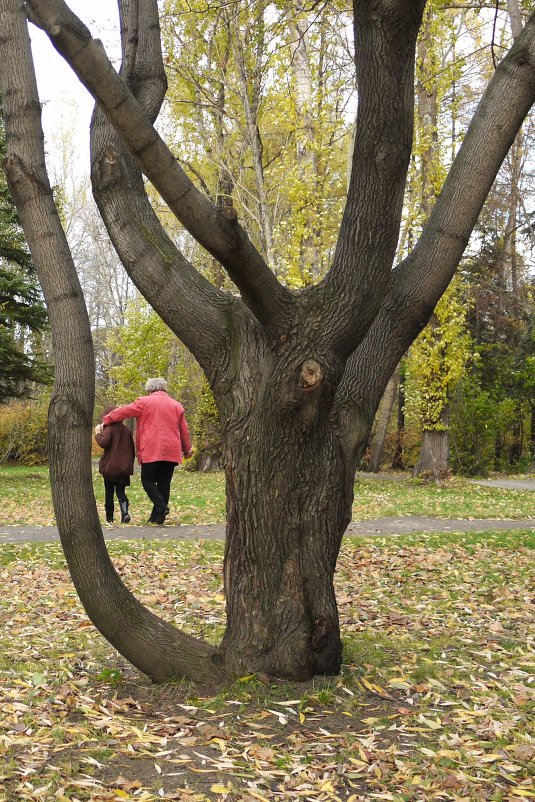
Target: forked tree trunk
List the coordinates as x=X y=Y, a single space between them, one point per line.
x=297 y=376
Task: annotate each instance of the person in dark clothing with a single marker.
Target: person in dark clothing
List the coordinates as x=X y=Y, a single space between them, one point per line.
x=116 y=465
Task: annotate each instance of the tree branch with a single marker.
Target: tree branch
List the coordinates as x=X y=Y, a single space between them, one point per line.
x=215 y=228
x=155 y=647
x=418 y=282
x=195 y=310
x=385 y=43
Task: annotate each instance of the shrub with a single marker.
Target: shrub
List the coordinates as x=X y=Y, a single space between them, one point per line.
x=207 y=437
x=23 y=431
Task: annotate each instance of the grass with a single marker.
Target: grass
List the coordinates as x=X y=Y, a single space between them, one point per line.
x=436 y=699
x=200 y=498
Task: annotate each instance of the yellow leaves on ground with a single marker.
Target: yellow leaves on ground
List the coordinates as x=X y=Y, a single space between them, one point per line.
x=435 y=701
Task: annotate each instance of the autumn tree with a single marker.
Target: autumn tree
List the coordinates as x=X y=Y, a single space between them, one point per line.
x=262 y=127
x=297 y=375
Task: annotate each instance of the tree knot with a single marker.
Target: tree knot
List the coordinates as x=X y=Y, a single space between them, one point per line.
x=230 y=214
x=311 y=374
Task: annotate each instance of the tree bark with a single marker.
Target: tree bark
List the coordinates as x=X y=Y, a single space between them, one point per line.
x=306 y=151
x=382 y=418
x=398 y=463
x=289 y=496
x=515 y=17
x=515 y=451
x=433 y=462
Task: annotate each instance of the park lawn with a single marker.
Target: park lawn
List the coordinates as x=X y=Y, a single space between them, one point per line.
x=436 y=699
x=199 y=498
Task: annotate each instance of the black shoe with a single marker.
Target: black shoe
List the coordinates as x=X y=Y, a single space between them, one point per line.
x=125 y=517
x=109 y=517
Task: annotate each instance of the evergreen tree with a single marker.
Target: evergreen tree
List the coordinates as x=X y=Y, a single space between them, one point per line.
x=22 y=313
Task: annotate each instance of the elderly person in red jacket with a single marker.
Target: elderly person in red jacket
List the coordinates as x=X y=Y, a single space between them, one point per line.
x=162 y=439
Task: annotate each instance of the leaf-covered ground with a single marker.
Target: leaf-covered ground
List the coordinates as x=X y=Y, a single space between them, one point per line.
x=436 y=699
x=199 y=498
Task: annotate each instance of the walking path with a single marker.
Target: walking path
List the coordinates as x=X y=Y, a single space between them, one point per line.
x=401 y=525
x=375 y=527
x=510 y=484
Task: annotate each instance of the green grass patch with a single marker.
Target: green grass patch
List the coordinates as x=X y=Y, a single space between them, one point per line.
x=199 y=498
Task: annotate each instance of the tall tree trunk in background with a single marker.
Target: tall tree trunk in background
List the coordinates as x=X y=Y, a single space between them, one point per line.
x=381 y=422
x=517 y=445
x=508 y=265
x=427 y=110
x=516 y=157
x=498 y=449
x=225 y=182
x=398 y=463
x=515 y=17
x=305 y=134
x=434 y=450
x=250 y=81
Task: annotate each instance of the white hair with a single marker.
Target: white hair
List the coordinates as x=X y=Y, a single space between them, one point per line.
x=153 y=385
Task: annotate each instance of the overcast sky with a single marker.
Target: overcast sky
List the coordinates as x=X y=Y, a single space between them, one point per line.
x=64 y=99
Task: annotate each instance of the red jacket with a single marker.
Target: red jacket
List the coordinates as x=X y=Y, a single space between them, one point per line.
x=161 y=432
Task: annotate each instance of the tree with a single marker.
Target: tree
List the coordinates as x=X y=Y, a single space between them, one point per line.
x=144 y=346
x=263 y=124
x=437 y=362
x=492 y=407
x=22 y=313
x=297 y=375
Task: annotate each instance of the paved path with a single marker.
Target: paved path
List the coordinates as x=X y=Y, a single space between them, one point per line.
x=375 y=527
x=510 y=484
x=401 y=525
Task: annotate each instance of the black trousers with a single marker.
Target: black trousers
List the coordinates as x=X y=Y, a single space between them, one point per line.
x=156 y=480
x=111 y=487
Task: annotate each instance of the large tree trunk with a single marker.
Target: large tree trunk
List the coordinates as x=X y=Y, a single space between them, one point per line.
x=288 y=506
x=289 y=479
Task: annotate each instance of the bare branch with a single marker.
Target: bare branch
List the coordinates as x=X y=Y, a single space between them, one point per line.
x=215 y=228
